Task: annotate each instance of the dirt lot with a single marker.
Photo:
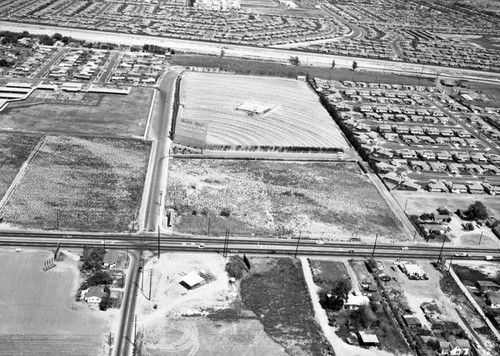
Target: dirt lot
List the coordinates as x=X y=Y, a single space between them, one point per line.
x=80 y=113
x=321 y=200
x=14 y=150
x=39 y=312
x=78 y=184
x=327 y=273
x=180 y=326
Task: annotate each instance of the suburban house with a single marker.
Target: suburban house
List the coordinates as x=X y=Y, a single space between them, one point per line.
x=494 y=299
x=95 y=294
x=459 y=188
x=475 y=188
x=355 y=301
x=459 y=347
x=427 y=154
x=437 y=187
x=487 y=286
x=444 y=156
x=406 y=153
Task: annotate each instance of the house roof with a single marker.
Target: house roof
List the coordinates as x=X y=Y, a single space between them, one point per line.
x=96 y=291
x=368 y=338
x=357 y=300
x=486 y=284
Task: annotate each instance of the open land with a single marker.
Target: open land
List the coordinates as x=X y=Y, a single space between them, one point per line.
x=321 y=200
x=39 y=315
x=80 y=113
x=78 y=184
x=14 y=150
x=207 y=320
x=276 y=291
x=422 y=202
x=295 y=116
x=254 y=67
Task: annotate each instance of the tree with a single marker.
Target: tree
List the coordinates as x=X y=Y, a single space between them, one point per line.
x=57 y=36
x=222 y=53
x=92 y=258
x=105 y=303
x=99 y=278
x=354 y=65
x=294 y=61
x=333 y=63
x=477 y=210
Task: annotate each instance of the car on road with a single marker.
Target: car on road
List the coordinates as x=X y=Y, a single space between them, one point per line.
x=462 y=254
x=202 y=245
x=320 y=242
x=488 y=258
x=352 y=251
x=272 y=252
x=405 y=248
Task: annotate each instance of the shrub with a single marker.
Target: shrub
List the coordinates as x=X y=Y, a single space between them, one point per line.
x=235 y=267
x=98 y=278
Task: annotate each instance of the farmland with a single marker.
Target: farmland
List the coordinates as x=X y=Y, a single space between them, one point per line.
x=14 y=150
x=81 y=184
x=80 y=113
x=295 y=116
x=321 y=200
x=45 y=320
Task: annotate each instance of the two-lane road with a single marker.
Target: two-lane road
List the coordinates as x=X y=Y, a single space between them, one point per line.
x=159 y=132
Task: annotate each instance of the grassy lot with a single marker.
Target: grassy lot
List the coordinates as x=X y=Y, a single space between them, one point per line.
x=276 y=198
x=14 y=150
x=327 y=273
x=81 y=184
x=40 y=306
x=80 y=114
x=242 y=66
x=276 y=291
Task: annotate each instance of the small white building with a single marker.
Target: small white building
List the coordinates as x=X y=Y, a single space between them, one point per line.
x=355 y=301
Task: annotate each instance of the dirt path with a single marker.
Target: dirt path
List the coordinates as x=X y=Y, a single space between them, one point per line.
x=352 y=276
x=340 y=347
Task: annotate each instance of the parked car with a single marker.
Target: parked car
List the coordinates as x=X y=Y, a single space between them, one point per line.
x=405 y=248
x=462 y=254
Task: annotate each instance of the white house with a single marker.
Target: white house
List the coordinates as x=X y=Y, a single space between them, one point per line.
x=355 y=301
x=95 y=294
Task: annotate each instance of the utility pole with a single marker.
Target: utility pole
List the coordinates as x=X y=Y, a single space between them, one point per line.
x=298 y=243
x=480 y=238
x=208 y=230
x=150 y=282
x=441 y=251
x=159 y=241
x=226 y=243
x=374 y=246
x=135 y=334
x=406 y=204
x=414 y=235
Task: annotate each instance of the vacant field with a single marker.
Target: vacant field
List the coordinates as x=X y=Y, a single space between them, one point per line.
x=80 y=113
x=178 y=325
x=39 y=315
x=326 y=274
x=331 y=201
x=276 y=291
x=243 y=66
x=426 y=202
x=81 y=184
x=14 y=150
x=296 y=118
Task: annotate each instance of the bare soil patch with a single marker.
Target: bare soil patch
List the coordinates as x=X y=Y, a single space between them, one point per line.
x=320 y=200
x=207 y=320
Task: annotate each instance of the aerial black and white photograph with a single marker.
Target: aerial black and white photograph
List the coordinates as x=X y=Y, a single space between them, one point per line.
x=249 y=178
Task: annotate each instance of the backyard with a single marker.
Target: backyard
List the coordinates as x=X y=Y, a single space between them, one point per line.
x=80 y=184
x=284 y=199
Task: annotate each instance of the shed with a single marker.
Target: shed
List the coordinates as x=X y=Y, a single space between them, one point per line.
x=192 y=280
